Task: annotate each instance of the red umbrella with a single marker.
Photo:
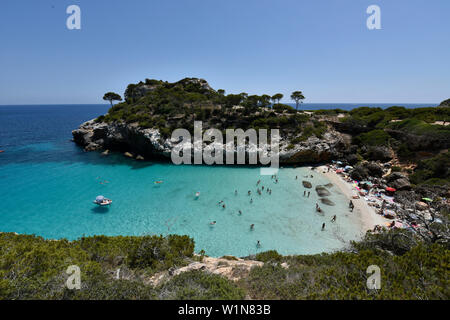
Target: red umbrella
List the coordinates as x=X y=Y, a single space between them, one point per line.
x=391 y=189
x=339 y=171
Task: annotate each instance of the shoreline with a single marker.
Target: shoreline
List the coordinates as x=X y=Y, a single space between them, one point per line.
x=366 y=215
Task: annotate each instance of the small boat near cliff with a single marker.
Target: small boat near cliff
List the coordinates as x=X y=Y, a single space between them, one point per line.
x=102 y=201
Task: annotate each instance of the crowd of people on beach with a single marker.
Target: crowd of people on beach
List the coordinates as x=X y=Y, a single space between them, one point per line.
x=260 y=189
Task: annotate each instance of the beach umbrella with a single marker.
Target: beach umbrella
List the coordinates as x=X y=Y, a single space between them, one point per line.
x=427 y=199
x=100 y=199
x=391 y=189
x=339 y=171
x=348 y=168
x=338 y=162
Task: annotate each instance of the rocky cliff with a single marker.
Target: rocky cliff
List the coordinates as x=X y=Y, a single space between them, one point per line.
x=148 y=143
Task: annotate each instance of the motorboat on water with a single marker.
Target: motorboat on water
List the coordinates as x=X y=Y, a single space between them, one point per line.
x=102 y=201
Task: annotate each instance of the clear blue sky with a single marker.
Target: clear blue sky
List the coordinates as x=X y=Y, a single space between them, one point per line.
x=258 y=46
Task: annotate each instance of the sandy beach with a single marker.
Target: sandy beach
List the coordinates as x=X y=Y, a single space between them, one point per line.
x=365 y=214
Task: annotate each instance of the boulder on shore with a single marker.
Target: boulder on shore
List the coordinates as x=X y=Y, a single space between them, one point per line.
x=307 y=184
x=327 y=202
x=322 y=191
x=398 y=181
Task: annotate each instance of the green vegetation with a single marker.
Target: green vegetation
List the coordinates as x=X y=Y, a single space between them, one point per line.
x=421 y=273
x=34 y=268
x=435 y=170
x=166 y=106
x=112 y=96
x=298 y=97
x=375 y=137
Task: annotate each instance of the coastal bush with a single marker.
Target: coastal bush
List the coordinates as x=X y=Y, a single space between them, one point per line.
x=198 y=285
x=435 y=170
x=271 y=255
x=34 y=268
x=160 y=253
x=418 y=273
x=372 y=138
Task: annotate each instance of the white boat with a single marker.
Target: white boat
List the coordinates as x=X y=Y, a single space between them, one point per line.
x=102 y=201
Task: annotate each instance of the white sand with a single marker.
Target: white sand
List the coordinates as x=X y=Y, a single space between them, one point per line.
x=365 y=214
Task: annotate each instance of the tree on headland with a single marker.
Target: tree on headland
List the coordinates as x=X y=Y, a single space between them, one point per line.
x=297 y=96
x=277 y=97
x=112 y=96
x=265 y=100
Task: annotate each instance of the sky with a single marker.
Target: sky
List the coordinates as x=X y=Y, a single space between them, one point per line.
x=321 y=47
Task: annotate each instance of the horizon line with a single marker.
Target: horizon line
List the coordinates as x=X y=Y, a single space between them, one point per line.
x=107 y=104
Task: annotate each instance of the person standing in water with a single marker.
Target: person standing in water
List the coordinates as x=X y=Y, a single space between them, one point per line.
x=252 y=226
x=309 y=192
x=323 y=226
x=333 y=219
x=258 y=244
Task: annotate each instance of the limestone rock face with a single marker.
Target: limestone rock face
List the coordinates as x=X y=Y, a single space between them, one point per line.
x=148 y=143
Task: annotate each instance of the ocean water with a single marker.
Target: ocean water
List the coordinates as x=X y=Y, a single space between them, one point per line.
x=350 y=106
x=48 y=184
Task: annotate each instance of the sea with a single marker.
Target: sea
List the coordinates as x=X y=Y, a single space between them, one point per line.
x=48 y=185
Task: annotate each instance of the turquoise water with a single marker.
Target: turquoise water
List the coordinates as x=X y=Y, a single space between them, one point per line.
x=48 y=185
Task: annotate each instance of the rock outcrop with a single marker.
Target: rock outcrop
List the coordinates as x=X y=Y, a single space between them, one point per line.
x=398 y=181
x=233 y=269
x=149 y=143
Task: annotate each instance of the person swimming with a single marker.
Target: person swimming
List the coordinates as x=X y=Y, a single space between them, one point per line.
x=223 y=206
x=212 y=223
x=240 y=212
x=258 y=244
x=252 y=226
x=235 y=192
x=258 y=182
x=251 y=200
x=262 y=188
x=249 y=192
